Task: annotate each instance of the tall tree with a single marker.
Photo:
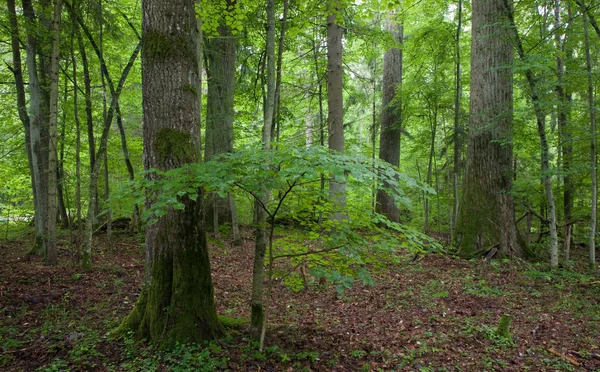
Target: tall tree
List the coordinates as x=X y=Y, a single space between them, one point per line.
x=221 y=52
x=456 y=132
x=335 y=102
x=592 y=113
x=564 y=96
x=51 y=255
x=36 y=123
x=391 y=117
x=540 y=117
x=177 y=302
x=486 y=217
x=257 y=317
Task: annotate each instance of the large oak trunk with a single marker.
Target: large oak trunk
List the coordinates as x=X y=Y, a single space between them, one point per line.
x=486 y=215
x=177 y=302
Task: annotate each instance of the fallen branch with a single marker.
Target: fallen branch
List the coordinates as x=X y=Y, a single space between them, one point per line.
x=566 y=357
x=589 y=283
x=586 y=356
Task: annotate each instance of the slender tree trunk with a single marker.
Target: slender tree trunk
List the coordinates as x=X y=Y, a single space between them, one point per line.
x=74 y=33
x=456 y=134
x=52 y=250
x=258 y=315
x=563 y=108
x=127 y=160
x=35 y=114
x=63 y=207
x=541 y=126
x=17 y=71
x=335 y=103
x=592 y=112
x=115 y=93
x=486 y=216
x=276 y=127
x=433 y=123
x=87 y=81
x=177 y=302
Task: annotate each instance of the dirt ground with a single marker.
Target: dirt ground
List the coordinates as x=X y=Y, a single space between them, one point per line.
x=437 y=313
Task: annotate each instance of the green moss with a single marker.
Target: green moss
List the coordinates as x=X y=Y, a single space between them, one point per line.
x=256 y=320
x=133 y=321
x=230 y=322
x=172 y=145
x=190 y=88
x=503 y=329
x=161 y=46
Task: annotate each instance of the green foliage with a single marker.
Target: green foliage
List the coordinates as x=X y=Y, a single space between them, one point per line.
x=332 y=250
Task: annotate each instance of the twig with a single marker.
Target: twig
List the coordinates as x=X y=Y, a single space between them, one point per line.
x=589 y=283
x=307 y=253
x=586 y=356
x=566 y=357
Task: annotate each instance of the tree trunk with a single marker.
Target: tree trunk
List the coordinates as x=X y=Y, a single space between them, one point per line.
x=177 y=303
x=486 y=215
x=391 y=119
x=52 y=250
x=17 y=71
x=592 y=112
x=335 y=102
x=541 y=126
x=433 y=124
x=566 y=142
x=221 y=57
x=35 y=114
x=74 y=32
x=456 y=134
x=258 y=315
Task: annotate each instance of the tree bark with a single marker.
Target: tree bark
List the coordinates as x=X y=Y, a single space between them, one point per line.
x=52 y=250
x=221 y=56
x=456 y=134
x=486 y=214
x=391 y=119
x=592 y=113
x=35 y=115
x=17 y=71
x=177 y=302
x=564 y=130
x=335 y=102
x=258 y=315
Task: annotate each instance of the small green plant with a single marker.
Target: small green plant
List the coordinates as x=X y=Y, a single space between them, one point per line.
x=358 y=353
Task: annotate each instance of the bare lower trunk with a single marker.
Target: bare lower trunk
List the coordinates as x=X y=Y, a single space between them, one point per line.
x=257 y=317
x=456 y=136
x=391 y=119
x=177 y=302
x=592 y=112
x=35 y=108
x=486 y=216
x=335 y=103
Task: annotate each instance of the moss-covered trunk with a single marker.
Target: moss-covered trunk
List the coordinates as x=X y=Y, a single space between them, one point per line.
x=486 y=214
x=177 y=301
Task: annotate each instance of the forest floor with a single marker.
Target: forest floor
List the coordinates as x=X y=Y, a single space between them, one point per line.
x=435 y=314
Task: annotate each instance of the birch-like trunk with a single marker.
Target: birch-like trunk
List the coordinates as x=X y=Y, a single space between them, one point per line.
x=335 y=103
